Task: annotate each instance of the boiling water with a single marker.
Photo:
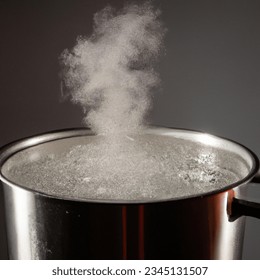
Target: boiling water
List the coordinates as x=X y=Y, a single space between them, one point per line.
x=128 y=168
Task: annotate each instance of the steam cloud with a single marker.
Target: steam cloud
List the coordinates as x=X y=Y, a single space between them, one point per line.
x=110 y=74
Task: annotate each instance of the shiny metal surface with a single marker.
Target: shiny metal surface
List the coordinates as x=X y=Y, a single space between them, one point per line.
x=43 y=228
x=46 y=227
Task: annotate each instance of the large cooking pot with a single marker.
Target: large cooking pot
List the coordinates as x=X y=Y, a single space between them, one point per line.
x=205 y=226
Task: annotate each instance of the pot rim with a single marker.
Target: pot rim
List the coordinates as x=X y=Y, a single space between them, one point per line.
x=14 y=147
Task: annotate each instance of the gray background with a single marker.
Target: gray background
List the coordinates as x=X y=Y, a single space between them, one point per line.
x=210 y=73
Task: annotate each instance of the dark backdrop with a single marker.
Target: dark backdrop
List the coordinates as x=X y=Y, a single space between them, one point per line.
x=210 y=73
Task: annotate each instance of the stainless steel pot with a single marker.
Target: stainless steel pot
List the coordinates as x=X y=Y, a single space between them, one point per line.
x=208 y=226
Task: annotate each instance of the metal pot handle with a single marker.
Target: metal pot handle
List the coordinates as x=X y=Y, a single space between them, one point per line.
x=241 y=207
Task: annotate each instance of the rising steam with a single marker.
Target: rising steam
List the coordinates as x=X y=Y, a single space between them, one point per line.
x=110 y=74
